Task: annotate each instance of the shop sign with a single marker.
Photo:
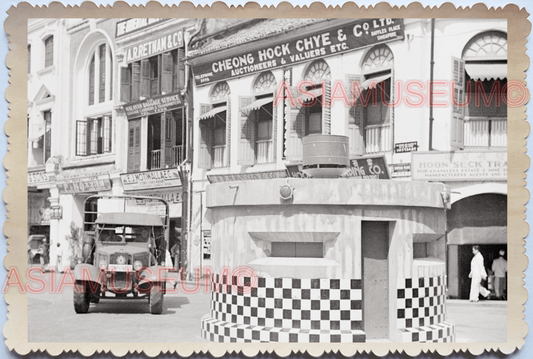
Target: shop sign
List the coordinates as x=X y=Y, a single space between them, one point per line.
x=128 y=26
x=459 y=166
x=400 y=170
x=368 y=168
x=171 y=196
x=39 y=178
x=246 y=176
x=168 y=177
x=153 y=105
x=86 y=184
x=404 y=147
x=155 y=46
x=337 y=40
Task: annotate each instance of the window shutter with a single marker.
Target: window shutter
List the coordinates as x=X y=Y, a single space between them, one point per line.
x=125 y=84
x=108 y=131
x=247 y=132
x=166 y=79
x=101 y=75
x=181 y=68
x=91 y=81
x=227 y=153
x=296 y=130
x=457 y=120
x=355 y=117
x=81 y=138
x=204 y=155
x=135 y=81
x=274 y=131
x=49 y=51
x=145 y=78
x=134 y=145
x=166 y=142
x=326 y=109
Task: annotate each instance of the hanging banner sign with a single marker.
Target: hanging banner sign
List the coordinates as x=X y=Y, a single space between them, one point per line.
x=168 y=177
x=337 y=40
x=153 y=105
x=85 y=184
x=155 y=46
x=128 y=26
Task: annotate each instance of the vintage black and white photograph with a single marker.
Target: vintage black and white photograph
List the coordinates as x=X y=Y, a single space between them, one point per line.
x=268 y=180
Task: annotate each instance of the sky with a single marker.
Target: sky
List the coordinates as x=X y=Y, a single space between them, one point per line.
x=527 y=350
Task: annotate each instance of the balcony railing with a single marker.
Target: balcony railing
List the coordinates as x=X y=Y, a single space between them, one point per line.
x=377 y=139
x=158 y=157
x=218 y=156
x=264 y=154
x=485 y=133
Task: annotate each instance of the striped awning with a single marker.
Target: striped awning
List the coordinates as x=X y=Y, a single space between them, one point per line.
x=213 y=112
x=486 y=71
x=372 y=82
x=257 y=104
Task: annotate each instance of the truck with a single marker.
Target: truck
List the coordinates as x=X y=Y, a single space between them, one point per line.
x=123 y=251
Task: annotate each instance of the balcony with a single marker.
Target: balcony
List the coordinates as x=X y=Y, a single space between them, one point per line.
x=485 y=133
x=157 y=158
x=378 y=139
x=265 y=153
x=218 y=156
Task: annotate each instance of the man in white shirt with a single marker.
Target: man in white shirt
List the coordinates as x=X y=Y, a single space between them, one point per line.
x=477 y=273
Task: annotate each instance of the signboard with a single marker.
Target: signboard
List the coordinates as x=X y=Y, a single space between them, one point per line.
x=406 y=147
x=128 y=26
x=153 y=105
x=368 y=168
x=246 y=176
x=365 y=168
x=400 y=170
x=35 y=178
x=86 y=184
x=155 y=46
x=459 y=166
x=168 y=177
x=173 y=196
x=337 y=40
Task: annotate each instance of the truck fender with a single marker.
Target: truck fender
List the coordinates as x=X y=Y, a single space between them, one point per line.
x=88 y=273
x=150 y=277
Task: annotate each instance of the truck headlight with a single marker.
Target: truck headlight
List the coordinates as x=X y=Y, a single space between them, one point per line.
x=137 y=265
x=102 y=264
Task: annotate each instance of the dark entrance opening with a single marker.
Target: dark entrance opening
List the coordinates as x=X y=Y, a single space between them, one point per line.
x=375 y=249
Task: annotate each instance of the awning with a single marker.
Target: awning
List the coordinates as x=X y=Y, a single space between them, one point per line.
x=486 y=71
x=478 y=235
x=307 y=97
x=213 y=112
x=372 y=82
x=256 y=105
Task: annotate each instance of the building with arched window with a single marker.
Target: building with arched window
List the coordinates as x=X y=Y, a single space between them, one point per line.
x=363 y=99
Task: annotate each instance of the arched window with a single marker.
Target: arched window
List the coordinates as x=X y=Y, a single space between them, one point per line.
x=483 y=80
x=258 y=122
x=318 y=115
x=372 y=114
x=100 y=75
x=215 y=128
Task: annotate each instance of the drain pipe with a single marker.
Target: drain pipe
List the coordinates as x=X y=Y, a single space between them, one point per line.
x=431 y=65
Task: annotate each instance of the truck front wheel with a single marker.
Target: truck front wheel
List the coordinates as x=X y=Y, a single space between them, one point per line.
x=82 y=298
x=156 y=300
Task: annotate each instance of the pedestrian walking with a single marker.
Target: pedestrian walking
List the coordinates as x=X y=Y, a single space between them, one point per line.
x=499 y=267
x=43 y=254
x=477 y=274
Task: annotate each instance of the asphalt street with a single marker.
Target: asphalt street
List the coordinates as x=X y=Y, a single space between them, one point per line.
x=52 y=318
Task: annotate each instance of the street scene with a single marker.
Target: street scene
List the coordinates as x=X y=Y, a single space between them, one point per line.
x=299 y=180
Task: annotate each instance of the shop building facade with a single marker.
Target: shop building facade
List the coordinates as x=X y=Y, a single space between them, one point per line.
x=249 y=132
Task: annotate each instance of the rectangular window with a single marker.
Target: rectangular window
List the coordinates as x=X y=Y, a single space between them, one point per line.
x=134 y=145
x=47 y=146
x=154 y=76
x=94 y=136
x=298 y=249
x=377 y=117
x=49 y=51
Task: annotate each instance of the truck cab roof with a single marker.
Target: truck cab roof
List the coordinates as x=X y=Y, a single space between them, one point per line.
x=129 y=219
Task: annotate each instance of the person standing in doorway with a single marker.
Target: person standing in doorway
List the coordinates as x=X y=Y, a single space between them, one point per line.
x=499 y=267
x=477 y=274
x=59 y=254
